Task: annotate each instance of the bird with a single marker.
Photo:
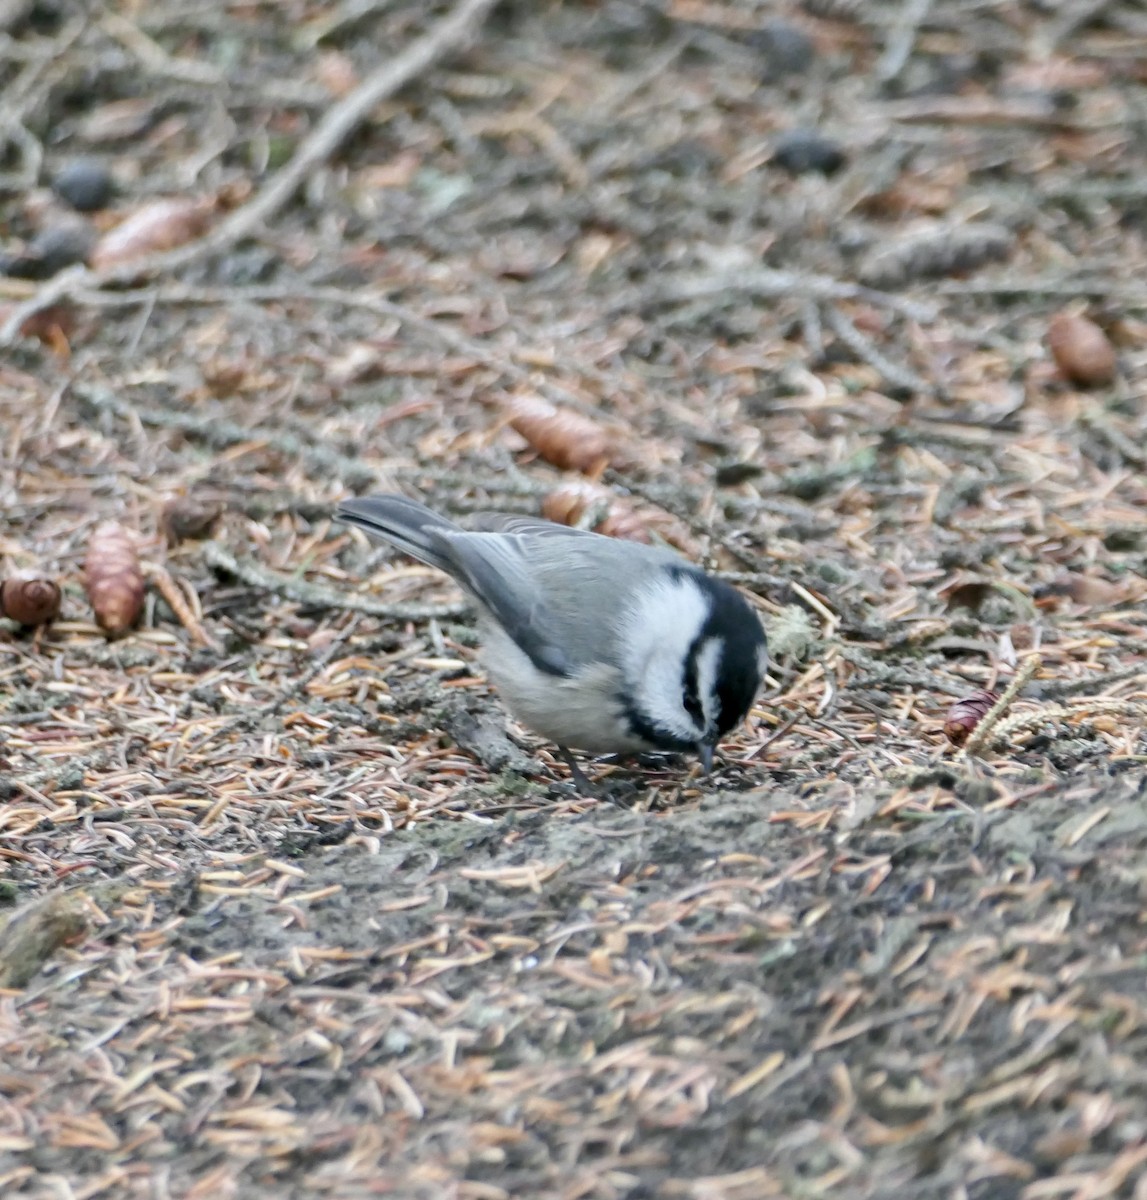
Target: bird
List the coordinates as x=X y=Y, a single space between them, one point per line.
x=595 y=643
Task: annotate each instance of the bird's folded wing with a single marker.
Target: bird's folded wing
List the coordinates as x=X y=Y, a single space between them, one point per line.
x=497 y=571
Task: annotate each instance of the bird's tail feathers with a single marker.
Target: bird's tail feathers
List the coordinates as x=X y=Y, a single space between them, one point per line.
x=405 y=524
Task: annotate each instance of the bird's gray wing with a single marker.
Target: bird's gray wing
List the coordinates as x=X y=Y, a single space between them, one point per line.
x=496 y=568
x=511 y=523
x=558 y=592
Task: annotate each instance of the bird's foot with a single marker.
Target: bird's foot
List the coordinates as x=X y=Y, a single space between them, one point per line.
x=580 y=779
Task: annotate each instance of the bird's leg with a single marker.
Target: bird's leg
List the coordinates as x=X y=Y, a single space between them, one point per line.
x=581 y=781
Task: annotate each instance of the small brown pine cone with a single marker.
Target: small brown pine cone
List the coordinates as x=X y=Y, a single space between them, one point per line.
x=30 y=599
x=582 y=502
x=561 y=436
x=113 y=578
x=966 y=714
x=1081 y=350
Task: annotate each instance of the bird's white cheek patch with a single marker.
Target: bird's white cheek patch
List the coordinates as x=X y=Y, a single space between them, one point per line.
x=666 y=617
x=658 y=632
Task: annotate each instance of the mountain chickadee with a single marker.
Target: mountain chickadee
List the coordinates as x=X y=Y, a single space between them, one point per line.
x=604 y=645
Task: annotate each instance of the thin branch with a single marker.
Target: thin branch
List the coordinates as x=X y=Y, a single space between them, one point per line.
x=901 y=40
x=254 y=575
x=764 y=284
x=1099 y=286
x=219 y=434
x=862 y=347
x=452 y=34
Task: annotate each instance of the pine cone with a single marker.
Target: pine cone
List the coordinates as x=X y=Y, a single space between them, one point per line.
x=30 y=598
x=113 y=578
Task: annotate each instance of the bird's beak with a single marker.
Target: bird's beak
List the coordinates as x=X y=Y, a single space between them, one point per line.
x=705 y=751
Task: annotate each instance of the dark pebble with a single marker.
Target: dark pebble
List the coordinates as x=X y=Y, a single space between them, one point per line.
x=788 y=49
x=51 y=250
x=800 y=151
x=732 y=473
x=85 y=184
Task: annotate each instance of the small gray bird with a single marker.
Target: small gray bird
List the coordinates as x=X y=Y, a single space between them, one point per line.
x=604 y=645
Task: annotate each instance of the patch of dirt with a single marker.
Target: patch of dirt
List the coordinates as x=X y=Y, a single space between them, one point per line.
x=898 y=990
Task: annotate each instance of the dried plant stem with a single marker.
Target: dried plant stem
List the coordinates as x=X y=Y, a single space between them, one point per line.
x=452 y=34
x=1059 y=285
x=1061 y=689
x=991 y=719
x=260 y=577
x=172 y=593
x=892 y=373
x=901 y=40
x=220 y=434
x=725 y=287
x=1075 y=711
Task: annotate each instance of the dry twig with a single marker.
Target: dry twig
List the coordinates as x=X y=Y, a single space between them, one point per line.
x=450 y=36
x=989 y=721
x=256 y=576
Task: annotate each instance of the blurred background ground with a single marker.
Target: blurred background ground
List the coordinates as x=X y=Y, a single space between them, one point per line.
x=307 y=917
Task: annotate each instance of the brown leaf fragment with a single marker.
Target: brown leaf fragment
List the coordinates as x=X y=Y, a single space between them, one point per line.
x=1081 y=350
x=157 y=226
x=560 y=436
x=936 y=251
x=231 y=194
x=50 y=326
x=32 y=933
x=1088 y=591
x=966 y=714
x=225 y=377
x=29 y=598
x=1057 y=1145
x=970 y=593
x=119 y=120
x=336 y=72
x=113 y=578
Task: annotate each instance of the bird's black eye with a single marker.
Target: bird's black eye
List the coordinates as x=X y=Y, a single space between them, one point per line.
x=692 y=705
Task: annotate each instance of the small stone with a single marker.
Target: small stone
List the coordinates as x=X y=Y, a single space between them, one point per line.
x=85 y=184
x=190 y=517
x=51 y=250
x=787 y=48
x=801 y=150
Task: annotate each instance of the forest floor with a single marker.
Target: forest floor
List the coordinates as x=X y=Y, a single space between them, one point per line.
x=292 y=910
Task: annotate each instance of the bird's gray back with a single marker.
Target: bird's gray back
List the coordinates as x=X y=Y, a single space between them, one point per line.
x=560 y=593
